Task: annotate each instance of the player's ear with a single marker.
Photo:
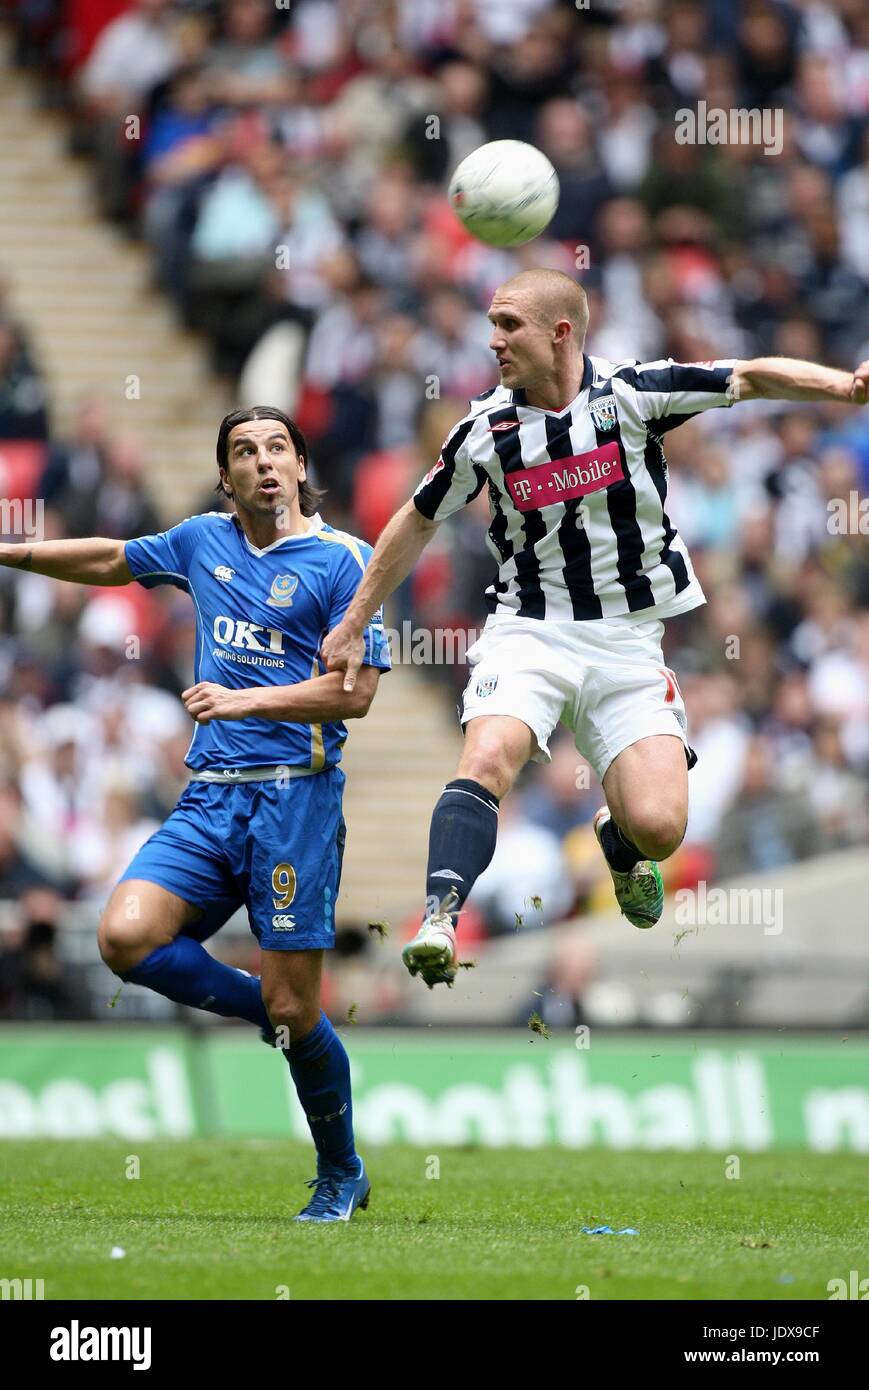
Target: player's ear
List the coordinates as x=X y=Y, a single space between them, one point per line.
x=300 y=458
x=224 y=478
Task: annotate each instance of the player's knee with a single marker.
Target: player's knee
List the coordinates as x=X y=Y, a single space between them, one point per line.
x=123 y=944
x=657 y=831
x=488 y=764
x=289 y=1009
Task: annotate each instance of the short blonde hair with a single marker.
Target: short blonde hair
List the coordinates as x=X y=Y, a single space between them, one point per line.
x=552 y=295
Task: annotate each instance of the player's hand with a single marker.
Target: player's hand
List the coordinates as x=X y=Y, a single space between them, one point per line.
x=343 y=650
x=207 y=701
x=860 y=384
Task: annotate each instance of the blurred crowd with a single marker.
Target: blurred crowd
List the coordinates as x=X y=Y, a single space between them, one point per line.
x=287 y=168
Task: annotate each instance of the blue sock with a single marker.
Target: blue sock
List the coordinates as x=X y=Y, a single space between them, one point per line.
x=464 y=828
x=184 y=972
x=320 y=1070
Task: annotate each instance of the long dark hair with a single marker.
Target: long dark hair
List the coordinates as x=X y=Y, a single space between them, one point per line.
x=309 y=497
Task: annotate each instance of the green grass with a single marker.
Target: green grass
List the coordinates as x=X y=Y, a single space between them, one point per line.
x=210 y=1219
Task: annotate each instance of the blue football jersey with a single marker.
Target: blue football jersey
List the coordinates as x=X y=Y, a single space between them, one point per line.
x=261 y=616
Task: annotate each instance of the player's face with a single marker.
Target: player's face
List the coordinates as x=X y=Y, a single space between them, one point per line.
x=522 y=345
x=264 y=470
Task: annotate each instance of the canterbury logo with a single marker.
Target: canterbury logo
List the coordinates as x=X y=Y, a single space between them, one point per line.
x=284 y=923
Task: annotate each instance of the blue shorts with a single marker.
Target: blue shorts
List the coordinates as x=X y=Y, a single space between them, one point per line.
x=274 y=847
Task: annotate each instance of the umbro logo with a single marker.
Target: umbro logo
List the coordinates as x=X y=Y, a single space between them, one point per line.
x=504 y=425
x=223 y=572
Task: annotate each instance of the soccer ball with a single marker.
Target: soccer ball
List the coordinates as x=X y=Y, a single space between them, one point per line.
x=505 y=192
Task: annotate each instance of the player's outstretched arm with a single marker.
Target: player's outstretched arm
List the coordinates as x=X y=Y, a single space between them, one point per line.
x=401 y=543
x=785 y=379
x=96 y=560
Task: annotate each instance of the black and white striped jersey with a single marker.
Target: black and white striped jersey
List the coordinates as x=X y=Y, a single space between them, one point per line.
x=577 y=496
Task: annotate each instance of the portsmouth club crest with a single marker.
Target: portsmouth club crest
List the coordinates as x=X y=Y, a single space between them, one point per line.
x=282 y=590
x=603 y=412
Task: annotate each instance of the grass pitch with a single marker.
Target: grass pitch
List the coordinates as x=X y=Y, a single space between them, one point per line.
x=210 y=1219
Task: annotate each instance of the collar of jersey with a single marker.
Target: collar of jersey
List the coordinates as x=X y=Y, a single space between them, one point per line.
x=587 y=379
x=317 y=524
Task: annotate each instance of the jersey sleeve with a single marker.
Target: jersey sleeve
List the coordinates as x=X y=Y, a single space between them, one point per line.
x=165 y=557
x=671 y=392
x=348 y=573
x=453 y=481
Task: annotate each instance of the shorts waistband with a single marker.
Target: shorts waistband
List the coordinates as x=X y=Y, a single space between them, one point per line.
x=253 y=774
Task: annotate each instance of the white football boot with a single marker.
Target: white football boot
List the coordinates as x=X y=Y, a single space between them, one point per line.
x=432 y=952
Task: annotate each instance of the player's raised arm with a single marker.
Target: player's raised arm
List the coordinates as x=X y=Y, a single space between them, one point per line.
x=401 y=543
x=454 y=481
x=786 y=379
x=96 y=560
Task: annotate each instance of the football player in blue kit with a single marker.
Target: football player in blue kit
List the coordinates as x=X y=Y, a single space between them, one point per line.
x=260 y=821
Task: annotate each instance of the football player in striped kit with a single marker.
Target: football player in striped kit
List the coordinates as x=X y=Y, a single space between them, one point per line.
x=589 y=565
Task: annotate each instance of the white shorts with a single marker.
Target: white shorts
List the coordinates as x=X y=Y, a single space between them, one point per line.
x=604 y=679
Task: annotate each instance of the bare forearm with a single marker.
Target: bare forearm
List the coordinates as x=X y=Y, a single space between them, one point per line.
x=786 y=379
x=400 y=545
x=321 y=700
x=96 y=560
